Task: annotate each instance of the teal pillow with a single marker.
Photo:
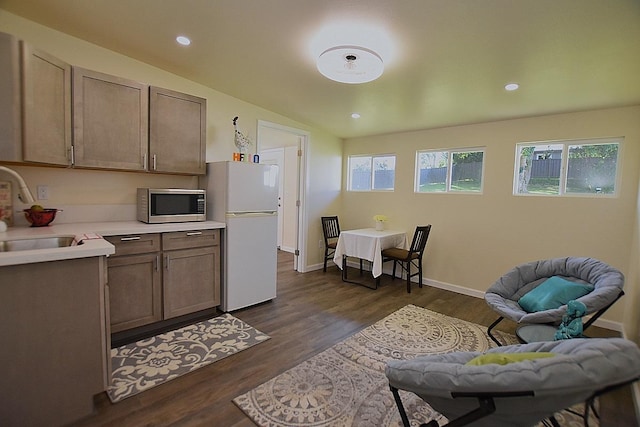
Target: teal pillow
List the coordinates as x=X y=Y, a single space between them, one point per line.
x=552 y=293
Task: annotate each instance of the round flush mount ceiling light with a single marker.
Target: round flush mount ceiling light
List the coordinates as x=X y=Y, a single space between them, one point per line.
x=184 y=41
x=350 y=64
x=512 y=86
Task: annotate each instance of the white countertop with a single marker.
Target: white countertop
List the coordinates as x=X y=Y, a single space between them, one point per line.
x=89 y=247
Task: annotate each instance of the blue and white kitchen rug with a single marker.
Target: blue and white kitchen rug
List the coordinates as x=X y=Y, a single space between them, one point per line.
x=147 y=363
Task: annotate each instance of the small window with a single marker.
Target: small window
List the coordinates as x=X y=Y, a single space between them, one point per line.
x=567 y=167
x=367 y=173
x=449 y=171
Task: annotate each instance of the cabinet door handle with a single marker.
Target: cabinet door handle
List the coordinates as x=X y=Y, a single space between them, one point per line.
x=194 y=233
x=129 y=239
x=166 y=262
x=157 y=266
x=154 y=162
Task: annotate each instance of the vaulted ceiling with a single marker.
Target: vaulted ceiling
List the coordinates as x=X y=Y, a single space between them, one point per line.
x=446 y=61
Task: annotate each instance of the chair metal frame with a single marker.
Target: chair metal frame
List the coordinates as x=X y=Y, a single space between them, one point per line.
x=412 y=256
x=584 y=326
x=487 y=406
x=331 y=232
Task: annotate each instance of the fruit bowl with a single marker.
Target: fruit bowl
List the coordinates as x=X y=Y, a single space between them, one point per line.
x=40 y=217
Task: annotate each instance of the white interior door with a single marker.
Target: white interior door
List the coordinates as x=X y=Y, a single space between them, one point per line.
x=289 y=199
x=275 y=156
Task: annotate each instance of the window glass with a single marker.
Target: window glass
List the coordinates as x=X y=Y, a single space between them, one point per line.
x=359 y=173
x=449 y=171
x=591 y=168
x=466 y=171
x=368 y=173
x=432 y=171
x=539 y=168
x=384 y=171
x=569 y=167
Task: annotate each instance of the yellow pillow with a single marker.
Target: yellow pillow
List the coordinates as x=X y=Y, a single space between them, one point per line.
x=506 y=358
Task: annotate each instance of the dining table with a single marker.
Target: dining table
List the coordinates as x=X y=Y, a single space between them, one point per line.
x=366 y=244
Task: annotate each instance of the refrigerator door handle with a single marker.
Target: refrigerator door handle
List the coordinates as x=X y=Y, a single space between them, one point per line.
x=250 y=214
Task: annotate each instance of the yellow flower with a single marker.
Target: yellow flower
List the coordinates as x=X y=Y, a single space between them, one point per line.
x=382 y=218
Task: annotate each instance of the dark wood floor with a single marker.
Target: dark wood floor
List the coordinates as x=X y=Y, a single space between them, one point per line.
x=312 y=312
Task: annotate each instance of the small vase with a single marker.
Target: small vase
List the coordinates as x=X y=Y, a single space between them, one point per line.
x=379 y=225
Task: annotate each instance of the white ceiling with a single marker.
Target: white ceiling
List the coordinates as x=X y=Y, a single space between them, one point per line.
x=446 y=61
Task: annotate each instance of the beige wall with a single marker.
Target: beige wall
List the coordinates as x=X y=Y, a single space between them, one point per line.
x=75 y=190
x=476 y=238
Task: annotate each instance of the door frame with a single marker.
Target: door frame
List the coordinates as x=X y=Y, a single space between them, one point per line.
x=300 y=257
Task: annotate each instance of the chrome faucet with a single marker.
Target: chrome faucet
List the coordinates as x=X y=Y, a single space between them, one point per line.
x=24 y=195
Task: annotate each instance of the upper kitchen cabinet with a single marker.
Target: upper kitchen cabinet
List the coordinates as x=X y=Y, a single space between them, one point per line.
x=10 y=100
x=46 y=108
x=110 y=121
x=35 y=105
x=56 y=114
x=177 y=135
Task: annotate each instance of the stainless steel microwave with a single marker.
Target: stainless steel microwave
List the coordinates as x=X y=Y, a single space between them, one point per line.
x=160 y=205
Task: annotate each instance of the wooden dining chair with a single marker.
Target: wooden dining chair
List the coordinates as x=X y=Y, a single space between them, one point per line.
x=408 y=257
x=331 y=232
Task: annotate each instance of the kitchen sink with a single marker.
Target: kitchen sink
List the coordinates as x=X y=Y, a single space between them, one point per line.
x=36 y=243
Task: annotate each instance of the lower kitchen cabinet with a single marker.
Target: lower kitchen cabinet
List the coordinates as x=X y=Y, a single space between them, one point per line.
x=135 y=286
x=189 y=282
x=159 y=276
x=135 y=291
x=191 y=276
x=56 y=349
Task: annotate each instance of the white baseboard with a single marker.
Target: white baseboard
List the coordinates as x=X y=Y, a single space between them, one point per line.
x=602 y=323
x=454 y=288
x=314 y=267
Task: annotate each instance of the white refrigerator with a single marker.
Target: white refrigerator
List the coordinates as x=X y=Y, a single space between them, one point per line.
x=245 y=197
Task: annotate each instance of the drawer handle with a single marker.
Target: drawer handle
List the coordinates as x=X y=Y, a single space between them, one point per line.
x=194 y=233
x=129 y=239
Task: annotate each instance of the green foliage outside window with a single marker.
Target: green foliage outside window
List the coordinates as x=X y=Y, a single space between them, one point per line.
x=571 y=167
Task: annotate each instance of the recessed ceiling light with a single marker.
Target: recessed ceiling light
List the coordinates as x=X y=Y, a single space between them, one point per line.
x=350 y=64
x=184 y=41
x=355 y=115
x=512 y=86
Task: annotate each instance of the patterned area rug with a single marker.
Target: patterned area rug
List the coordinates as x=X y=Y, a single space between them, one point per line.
x=148 y=363
x=346 y=386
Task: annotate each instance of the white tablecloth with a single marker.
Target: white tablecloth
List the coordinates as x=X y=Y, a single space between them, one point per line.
x=368 y=243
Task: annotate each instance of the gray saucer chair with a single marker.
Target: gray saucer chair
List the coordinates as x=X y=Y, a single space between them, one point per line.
x=520 y=393
x=504 y=294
